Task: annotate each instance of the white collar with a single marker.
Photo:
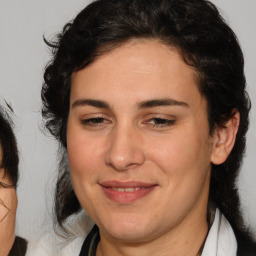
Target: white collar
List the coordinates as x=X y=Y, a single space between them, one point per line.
x=221 y=240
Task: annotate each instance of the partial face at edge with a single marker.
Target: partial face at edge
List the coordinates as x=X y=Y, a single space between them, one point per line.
x=138 y=142
x=8 y=206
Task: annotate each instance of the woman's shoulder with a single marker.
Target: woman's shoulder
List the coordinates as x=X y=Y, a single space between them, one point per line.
x=62 y=241
x=51 y=244
x=19 y=247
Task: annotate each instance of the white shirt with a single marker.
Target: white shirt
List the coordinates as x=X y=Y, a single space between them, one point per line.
x=221 y=240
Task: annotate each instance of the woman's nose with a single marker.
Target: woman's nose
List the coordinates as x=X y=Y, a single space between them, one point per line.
x=125 y=149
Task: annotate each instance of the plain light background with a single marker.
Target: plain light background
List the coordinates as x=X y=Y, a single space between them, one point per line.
x=23 y=56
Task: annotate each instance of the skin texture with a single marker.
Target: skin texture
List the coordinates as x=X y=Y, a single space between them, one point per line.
x=125 y=139
x=8 y=197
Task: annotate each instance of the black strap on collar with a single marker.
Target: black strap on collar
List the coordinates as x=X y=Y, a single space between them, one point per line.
x=90 y=243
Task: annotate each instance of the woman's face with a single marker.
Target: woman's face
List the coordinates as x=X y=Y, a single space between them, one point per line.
x=8 y=206
x=138 y=142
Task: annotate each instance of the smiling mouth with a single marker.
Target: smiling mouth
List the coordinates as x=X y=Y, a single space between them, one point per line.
x=126 y=192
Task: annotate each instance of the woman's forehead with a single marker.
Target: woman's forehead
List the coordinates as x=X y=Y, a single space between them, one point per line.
x=140 y=70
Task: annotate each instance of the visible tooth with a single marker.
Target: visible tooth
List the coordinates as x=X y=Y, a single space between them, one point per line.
x=126 y=189
x=129 y=189
x=119 y=189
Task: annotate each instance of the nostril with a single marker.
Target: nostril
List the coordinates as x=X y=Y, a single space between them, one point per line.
x=122 y=163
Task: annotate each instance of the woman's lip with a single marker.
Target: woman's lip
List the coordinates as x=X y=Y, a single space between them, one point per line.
x=126 y=192
x=127 y=184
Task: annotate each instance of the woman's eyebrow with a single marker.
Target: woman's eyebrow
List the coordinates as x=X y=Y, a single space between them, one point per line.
x=161 y=102
x=90 y=102
x=144 y=104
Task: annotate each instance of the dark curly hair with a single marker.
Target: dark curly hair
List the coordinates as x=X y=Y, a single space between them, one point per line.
x=205 y=42
x=9 y=160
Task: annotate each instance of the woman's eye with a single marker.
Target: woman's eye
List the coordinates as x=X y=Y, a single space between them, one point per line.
x=161 y=122
x=95 y=122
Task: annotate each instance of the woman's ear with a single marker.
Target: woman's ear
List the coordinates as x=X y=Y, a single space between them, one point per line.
x=224 y=139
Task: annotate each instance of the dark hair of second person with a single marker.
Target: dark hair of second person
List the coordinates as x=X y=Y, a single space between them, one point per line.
x=10 y=159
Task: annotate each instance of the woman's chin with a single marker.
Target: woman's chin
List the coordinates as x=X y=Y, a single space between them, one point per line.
x=128 y=232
